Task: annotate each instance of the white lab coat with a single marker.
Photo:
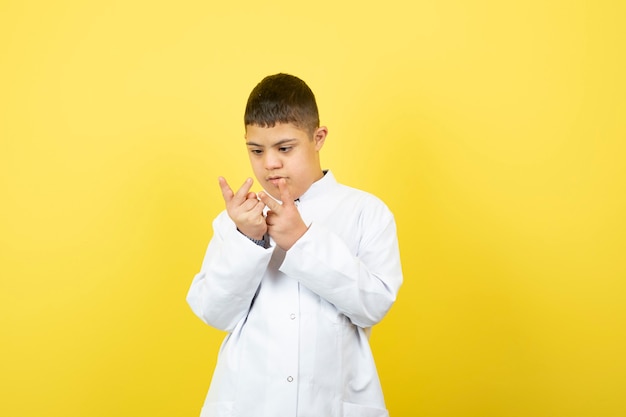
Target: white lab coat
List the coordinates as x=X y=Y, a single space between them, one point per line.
x=298 y=321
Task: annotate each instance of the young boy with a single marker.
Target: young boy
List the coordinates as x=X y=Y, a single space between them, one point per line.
x=296 y=274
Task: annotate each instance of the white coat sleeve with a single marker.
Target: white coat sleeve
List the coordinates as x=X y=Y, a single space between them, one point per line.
x=363 y=286
x=232 y=269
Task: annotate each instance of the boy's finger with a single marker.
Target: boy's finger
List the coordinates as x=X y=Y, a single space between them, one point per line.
x=242 y=192
x=285 y=195
x=269 y=201
x=227 y=192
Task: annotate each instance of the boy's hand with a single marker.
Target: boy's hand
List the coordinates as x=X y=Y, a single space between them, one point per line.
x=244 y=209
x=284 y=223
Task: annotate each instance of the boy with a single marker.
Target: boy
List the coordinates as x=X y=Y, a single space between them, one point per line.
x=296 y=275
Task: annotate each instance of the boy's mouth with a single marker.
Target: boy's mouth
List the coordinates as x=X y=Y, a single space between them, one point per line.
x=274 y=179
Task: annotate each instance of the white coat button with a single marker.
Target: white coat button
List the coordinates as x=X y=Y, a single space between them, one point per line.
x=290 y=379
x=292 y=316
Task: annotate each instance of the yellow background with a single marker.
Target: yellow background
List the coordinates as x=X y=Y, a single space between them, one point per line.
x=493 y=129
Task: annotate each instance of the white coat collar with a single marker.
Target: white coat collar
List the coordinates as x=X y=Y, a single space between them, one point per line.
x=320 y=187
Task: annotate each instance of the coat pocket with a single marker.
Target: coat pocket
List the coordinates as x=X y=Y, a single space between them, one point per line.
x=358 y=410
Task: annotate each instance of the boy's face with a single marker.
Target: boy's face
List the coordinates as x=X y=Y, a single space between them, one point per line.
x=288 y=152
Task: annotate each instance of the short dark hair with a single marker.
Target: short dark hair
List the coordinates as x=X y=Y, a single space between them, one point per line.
x=282 y=98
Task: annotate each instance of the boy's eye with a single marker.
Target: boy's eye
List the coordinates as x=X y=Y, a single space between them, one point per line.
x=284 y=148
x=256 y=151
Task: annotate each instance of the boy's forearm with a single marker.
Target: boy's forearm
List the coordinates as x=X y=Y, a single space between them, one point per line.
x=221 y=293
x=363 y=288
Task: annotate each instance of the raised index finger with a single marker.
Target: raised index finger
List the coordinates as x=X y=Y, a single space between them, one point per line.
x=285 y=195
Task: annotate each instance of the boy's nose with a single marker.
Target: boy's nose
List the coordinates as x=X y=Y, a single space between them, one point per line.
x=272 y=161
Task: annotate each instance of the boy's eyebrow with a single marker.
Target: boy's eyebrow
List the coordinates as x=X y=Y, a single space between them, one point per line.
x=280 y=142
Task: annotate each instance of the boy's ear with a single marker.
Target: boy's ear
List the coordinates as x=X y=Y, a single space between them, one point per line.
x=320 y=136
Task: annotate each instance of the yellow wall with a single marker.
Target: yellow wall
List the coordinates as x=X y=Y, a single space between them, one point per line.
x=494 y=130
